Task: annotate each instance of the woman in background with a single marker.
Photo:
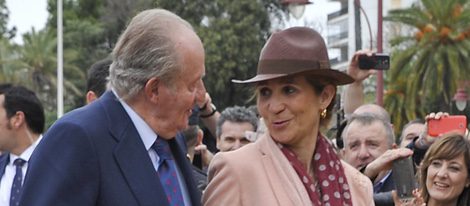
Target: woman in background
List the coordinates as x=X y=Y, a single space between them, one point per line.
x=444 y=172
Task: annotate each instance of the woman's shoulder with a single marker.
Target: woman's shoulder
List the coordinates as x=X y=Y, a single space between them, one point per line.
x=359 y=185
x=354 y=175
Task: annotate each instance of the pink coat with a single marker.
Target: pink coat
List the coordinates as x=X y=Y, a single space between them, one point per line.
x=259 y=174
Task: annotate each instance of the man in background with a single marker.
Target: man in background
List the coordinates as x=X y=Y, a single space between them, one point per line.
x=97 y=81
x=232 y=127
x=22 y=122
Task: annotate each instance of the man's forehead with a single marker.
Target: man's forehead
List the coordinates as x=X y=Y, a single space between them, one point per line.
x=360 y=131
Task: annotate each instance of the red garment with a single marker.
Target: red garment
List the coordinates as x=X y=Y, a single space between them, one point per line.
x=332 y=184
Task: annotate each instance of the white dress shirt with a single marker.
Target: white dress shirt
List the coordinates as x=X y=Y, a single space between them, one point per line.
x=10 y=170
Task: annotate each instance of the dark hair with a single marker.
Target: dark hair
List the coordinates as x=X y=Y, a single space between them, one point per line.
x=415 y=121
x=236 y=114
x=96 y=76
x=447 y=147
x=18 y=98
x=4 y=87
x=318 y=84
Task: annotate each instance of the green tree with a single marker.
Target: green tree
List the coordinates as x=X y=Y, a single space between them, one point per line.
x=427 y=66
x=37 y=60
x=233 y=33
x=91 y=28
x=5 y=32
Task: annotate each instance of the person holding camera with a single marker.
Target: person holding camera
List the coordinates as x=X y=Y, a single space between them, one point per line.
x=421 y=143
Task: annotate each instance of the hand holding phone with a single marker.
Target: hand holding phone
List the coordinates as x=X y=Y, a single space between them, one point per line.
x=378 y=61
x=437 y=127
x=404 y=178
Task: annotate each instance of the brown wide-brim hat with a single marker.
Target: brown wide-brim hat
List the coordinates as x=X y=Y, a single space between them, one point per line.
x=293 y=51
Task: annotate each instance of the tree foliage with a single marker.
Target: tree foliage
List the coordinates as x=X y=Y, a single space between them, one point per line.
x=233 y=33
x=427 y=67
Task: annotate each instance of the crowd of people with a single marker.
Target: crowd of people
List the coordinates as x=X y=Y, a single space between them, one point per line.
x=139 y=140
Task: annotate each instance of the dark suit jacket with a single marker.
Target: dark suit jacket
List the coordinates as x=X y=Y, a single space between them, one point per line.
x=3 y=163
x=383 y=197
x=94 y=156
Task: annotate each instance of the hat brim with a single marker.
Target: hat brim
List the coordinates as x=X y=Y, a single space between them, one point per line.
x=333 y=76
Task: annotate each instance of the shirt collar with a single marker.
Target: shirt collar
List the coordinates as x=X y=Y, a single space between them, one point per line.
x=28 y=152
x=146 y=133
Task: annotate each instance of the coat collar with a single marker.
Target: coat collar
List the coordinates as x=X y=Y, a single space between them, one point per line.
x=285 y=180
x=130 y=153
x=4 y=159
x=133 y=158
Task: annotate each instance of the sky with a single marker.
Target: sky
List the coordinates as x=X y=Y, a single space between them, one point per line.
x=26 y=14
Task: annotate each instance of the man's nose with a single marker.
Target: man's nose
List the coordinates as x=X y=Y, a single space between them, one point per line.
x=236 y=145
x=363 y=153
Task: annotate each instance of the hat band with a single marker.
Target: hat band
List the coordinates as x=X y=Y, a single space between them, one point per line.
x=290 y=66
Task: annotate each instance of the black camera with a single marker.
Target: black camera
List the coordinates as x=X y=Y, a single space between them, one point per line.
x=377 y=61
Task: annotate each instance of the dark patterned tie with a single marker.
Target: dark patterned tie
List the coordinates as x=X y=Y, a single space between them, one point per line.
x=16 y=186
x=167 y=173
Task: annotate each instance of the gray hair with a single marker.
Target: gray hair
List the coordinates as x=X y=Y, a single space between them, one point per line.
x=377 y=110
x=368 y=119
x=236 y=114
x=146 y=50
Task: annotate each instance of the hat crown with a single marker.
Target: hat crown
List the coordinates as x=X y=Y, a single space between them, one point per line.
x=297 y=43
x=293 y=51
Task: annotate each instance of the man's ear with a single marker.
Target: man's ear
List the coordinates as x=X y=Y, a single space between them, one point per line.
x=18 y=119
x=90 y=97
x=327 y=95
x=152 y=87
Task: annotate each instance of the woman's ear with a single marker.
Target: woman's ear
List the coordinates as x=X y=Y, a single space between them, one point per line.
x=326 y=96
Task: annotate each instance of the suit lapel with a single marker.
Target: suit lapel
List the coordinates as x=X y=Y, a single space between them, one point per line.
x=3 y=163
x=131 y=155
x=284 y=180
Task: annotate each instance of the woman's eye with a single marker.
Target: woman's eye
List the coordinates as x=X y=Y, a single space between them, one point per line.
x=288 y=90
x=436 y=163
x=454 y=168
x=264 y=92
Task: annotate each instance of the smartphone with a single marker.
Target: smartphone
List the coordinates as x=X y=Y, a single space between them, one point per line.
x=446 y=124
x=378 y=61
x=404 y=177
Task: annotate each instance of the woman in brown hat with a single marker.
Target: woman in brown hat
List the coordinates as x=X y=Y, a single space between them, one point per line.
x=293 y=163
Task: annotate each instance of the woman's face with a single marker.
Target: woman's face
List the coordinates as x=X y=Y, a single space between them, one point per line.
x=446 y=179
x=291 y=109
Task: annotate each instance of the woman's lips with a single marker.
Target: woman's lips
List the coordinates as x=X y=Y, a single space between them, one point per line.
x=280 y=124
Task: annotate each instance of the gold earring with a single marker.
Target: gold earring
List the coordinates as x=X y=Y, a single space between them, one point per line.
x=323 y=114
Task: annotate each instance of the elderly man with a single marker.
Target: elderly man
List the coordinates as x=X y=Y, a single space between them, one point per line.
x=121 y=150
x=22 y=122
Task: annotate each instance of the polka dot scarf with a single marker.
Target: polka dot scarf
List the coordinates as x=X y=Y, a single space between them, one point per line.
x=332 y=188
